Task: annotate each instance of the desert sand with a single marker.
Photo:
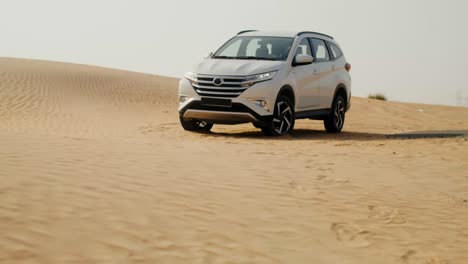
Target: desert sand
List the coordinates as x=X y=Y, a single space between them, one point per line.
x=94 y=168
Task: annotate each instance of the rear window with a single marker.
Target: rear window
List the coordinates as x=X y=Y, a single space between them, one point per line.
x=336 y=51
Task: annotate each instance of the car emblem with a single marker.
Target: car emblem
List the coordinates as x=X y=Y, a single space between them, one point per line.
x=218 y=81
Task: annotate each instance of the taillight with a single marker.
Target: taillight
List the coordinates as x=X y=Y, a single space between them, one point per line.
x=348 y=67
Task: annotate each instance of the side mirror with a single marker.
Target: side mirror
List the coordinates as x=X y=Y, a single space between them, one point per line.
x=209 y=55
x=302 y=59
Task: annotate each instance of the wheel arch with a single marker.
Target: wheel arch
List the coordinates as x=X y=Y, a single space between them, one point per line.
x=341 y=89
x=288 y=91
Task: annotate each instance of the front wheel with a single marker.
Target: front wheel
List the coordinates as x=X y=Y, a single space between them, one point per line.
x=195 y=125
x=283 y=118
x=335 y=121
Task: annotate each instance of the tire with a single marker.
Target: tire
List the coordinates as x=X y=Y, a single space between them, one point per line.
x=257 y=125
x=335 y=121
x=283 y=118
x=195 y=125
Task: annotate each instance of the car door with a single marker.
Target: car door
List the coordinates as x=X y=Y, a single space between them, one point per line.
x=307 y=80
x=325 y=67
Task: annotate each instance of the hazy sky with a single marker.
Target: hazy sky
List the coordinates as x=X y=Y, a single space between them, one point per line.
x=411 y=50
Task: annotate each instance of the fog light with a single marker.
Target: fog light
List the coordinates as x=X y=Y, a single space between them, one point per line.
x=183 y=99
x=262 y=103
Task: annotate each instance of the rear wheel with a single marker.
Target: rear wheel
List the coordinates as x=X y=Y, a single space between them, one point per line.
x=283 y=118
x=335 y=121
x=195 y=125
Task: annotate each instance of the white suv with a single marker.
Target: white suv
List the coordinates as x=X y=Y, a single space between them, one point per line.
x=269 y=79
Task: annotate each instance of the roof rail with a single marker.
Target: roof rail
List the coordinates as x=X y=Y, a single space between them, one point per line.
x=246 y=31
x=317 y=33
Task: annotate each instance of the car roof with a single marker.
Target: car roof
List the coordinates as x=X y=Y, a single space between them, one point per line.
x=284 y=33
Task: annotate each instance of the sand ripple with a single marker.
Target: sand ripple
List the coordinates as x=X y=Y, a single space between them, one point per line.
x=94 y=168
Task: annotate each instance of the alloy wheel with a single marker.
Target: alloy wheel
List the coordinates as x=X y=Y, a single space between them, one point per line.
x=339 y=114
x=283 y=118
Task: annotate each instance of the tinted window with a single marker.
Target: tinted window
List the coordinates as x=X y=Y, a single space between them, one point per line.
x=261 y=48
x=321 y=51
x=304 y=48
x=335 y=50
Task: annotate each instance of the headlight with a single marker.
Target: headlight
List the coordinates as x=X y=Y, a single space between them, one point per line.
x=192 y=77
x=251 y=80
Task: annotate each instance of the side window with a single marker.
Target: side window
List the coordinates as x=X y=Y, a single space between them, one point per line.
x=321 y=51
x=335 y=50
x=303 y=48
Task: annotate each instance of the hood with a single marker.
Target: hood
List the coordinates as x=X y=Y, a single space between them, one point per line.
x=236 y=67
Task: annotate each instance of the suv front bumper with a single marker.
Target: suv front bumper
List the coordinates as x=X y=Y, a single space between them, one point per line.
x=242 y=109
x=237 y=113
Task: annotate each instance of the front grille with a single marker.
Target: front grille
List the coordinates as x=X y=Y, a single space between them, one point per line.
x=216 y=101
x=220 y=86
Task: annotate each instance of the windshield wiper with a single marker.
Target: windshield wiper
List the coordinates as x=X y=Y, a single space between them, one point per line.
x=271 y=59
x=224 y=57
x=243 y=58
x=255 y=58
x=247 y=58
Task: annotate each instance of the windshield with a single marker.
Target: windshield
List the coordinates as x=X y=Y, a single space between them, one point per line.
x=255 y=48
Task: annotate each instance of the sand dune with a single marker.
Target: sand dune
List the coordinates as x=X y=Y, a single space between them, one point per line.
x=94 y=168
